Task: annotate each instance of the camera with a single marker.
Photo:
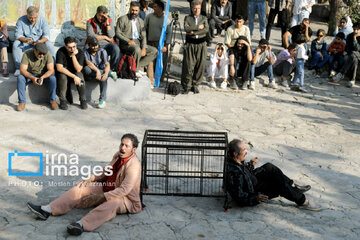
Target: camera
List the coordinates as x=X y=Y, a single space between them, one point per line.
x=175 y=15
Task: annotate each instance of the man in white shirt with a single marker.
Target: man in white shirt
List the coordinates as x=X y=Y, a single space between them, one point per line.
x=237 y=30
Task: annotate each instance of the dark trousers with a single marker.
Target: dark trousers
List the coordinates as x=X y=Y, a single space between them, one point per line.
x=284 y=69
x=272 y=182
x=282 y=19
x=242 y=71
x=219 y=26
x=351 y=64
x=64 y=84
x=90 y=75
x=113 y=51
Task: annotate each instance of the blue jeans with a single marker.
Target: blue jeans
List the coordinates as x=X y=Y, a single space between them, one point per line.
x=339 y=59
x=113 y=51
x=256 y=71
x=260 y=8
x=316 y=60
x=90 y=75
x=22 y=82
x=299 y=71
x=20 y=47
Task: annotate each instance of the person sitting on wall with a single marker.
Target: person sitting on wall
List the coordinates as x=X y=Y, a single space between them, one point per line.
x=237 y=30
x=294 y=32
x=115 y=191
x=250 y=186
x=221 y=14
x=37 y=67
x=30 y=30
x=285 y=64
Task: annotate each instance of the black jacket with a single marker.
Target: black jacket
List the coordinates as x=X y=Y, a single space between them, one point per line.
x=352 y=45
x=215 y=12
x=240 y=182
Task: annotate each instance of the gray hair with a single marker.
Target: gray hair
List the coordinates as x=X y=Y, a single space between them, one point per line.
x=32 y=10
x=102 y=9
x=195 y=2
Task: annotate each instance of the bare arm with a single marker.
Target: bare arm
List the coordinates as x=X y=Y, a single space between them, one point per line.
x=24 y=71
x=49 y=72
x=286 y=36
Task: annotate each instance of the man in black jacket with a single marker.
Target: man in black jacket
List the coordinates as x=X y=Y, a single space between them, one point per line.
x=221 y=13
x=249 y=186
x=352 y=59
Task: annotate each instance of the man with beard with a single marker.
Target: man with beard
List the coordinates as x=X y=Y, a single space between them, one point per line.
x=196 y=28
x=250 y=186
x=294 y=32
x=131 y=33
x=69 y=64
x=103 y=28
x=116 y=190
x=97 y=67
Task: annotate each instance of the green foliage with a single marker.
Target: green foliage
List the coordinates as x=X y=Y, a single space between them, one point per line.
x=354 y=10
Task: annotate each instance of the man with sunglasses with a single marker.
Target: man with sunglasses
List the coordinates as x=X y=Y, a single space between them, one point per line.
x=69 y=65
x=37 y=67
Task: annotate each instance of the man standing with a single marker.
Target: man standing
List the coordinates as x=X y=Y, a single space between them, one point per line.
x=279 y=8
x=131 y=33
x=103 y=28
x=97 y=67
x=258 y=6
x=30 y=30
x=249 y=186
x=262 y=61
x=237 y=30
x=4 y=44
x=37 y=66
x=240 y=57
x=294 y=32
x=69 y=64
x=221 y=14
x=153 y=25
x=145 y=9
x=110 y=194
x=196 y=27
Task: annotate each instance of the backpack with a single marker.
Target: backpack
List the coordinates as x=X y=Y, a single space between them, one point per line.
x=127 y=68
x=174 y=88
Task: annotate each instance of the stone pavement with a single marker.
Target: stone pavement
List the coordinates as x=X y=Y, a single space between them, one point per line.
x=312 y=137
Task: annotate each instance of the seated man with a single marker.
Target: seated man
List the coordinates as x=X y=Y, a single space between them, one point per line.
x=237 y=30
x=4 y=44
x=285 y=64
x=240 y=57
x=30 y=30
x=352 y=59
x=131 y=33
x=221 y=14
x=248 y=186
x=262 y=61
x=37 y=66
x=294 y=32
x=69 y=63
x=109 y=194
x=97 y=67
x=103 y=28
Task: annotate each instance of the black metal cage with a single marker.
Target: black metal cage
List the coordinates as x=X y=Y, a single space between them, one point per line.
x=183 y=163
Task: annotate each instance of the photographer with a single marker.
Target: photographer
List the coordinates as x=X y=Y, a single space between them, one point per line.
x=196 y=27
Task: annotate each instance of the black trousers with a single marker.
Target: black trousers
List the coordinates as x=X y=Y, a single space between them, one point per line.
x=282 y=19
x=351 y=64
x=272 y=182
x=242 y=72
x=64 y=84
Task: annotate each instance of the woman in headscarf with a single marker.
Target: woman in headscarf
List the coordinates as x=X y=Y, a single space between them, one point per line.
x=219 y=66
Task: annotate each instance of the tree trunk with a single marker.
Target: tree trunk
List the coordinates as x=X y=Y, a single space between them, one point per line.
x=334 y=15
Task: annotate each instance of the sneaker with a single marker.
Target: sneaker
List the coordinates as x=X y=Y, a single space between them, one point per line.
x=350 y=84
x=138 y=75
x=244 y=85
x=233 y=84
x=43 y=215
x=285 y=83
x=338 y=77
x=83 y=104
x=272 y=85
x=142 y=73
x=53 y=105
x=113 y=75
x=17 y=73
x=302 y=89
x=303 y=189
x=20 y=107
x=252 y=85
x=310 y=206
x=102 y=104
x=63 y=105
x=223 y=85
x=213 y=84
x=294 y=87
x=332 y=73
x=75 y=229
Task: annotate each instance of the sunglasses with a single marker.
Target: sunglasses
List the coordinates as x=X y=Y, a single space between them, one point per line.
x=320 y=35
x=220 y=48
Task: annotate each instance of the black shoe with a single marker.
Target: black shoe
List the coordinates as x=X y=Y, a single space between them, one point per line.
x=43 y=215
x=186 y=91
x=75 y=229
x=69 y=96
x=63 y=105
x=195 y=90
x=303 y=189
x=83 y=104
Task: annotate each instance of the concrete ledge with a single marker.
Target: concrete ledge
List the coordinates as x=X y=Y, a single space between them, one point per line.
x=122 y=90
